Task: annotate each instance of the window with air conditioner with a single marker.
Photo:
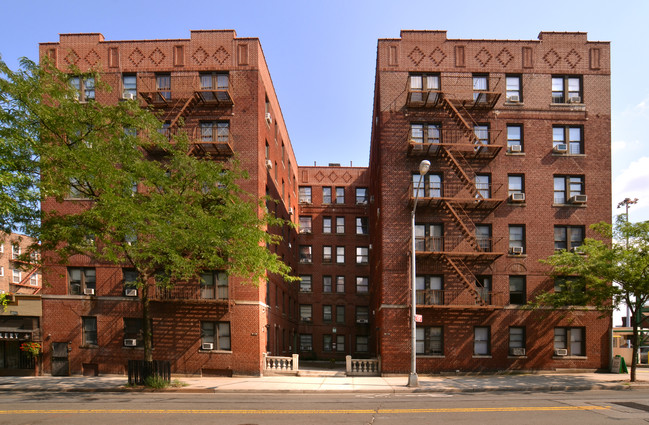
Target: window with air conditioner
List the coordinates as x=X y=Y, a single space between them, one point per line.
x=568 y=139
x=516 y=188
x=568 y=237
x=84 y=86
x=305 y=224
x=306 y=342
x=129 y=86
x=81 y=280
x=567 y=89
x=516 y=239
x=514 y=138
x=513 y=92
x=134 y=332
x=305 y=194
x=362 y=314
x=569 y=189
x=215 y=336
x=305 y=283
x=516 y=340
x=570 y=341
x=306 y=313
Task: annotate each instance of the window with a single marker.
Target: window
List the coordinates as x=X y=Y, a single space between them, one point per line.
x=340 y=255
x=513 y=88
x=362 y=314
x=16 y=276
x=326 y=313
x=362 y=343
x=570 y=137
x=483 y=186
x=573 y=289
x=568 y=237
x=129 y=277
x=425 y=133
x=85 y=87
x=483 y=237
x=340 y=343
x=306 y=342
x=430 y=341
x=515 y=184
x=362 y=255
x=15 y=251
x=517 y=290
x=212 y=279
x=340 y=195
x=33 y=279
x=481 y=132
x=215 y=131
x=565 y=187
x=305 y=283
x=481 y=341
x=217 y=334
x=134 y=332
x=326 y=195
x=362 y=284
x=362 y=226
x=89 y=329
x=515 y=137
x=340 y=314
x=340 y=224
x=340 y=284
x=572 y=340
x=429 y=237
x=306 y=313
x=566 y=89
x=326 y=284
x=306 y=254
x=163 y=86
x=305 y=224
x=361 y=196
x=421 y=86
x=517 y=341
x=480 y=86
x=80 y=280
x=430 y=290
x=129 y=86
x=483 y=288
x=428 y=186
x=327 y=343
x=305 y=194
x=516 y=239
x=2 y=271
x=326 y=254
x=326 y=224
x=213 y=81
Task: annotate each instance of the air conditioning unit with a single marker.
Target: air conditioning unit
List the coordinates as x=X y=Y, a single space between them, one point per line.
x=577 y=250
x=269 y=164
x=561 y=352
x=516 y=149
x=516 y=250
x=89 y=291
x=361 y=321
x=578 y=199
x=560 y=148
x=130 y=292
x=127 y=95
x=574 y=99
x=517 y=197
x=130 y=342
x=290 y=210
x=207 y=346
x=513 y=99
x=518 y=351
x=269 y=119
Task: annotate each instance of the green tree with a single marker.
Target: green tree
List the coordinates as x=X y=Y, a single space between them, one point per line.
x=141 y=199
x=586 y=276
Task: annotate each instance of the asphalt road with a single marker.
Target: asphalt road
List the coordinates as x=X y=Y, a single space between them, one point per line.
x=588 y=407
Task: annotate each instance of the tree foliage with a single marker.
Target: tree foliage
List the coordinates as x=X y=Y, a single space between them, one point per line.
x=605 y=273
x=118 y=189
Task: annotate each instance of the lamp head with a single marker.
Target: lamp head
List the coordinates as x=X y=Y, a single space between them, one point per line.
x=424 y=166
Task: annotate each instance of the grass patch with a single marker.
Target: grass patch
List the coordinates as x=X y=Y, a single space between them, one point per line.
x=156 y=382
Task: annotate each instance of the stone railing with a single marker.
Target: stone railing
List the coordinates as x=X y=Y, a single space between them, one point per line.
x=362 y=367
x=283 y=365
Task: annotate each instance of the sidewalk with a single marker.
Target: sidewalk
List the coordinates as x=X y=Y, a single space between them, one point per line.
x=312 y=384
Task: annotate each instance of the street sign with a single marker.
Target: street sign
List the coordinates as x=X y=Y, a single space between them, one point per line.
x=418 y=318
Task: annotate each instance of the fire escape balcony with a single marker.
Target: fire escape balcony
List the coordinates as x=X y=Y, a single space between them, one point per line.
x=463 y=91
x=424 y=98
x=482 y=196
x=477 y=144
x=487 y=249
x=212 y=141
x=460 y=298
x=190 y=293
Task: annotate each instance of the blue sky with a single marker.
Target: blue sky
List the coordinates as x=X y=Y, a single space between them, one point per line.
x=322 y=56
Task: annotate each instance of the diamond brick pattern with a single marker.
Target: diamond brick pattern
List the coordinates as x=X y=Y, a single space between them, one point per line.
x=92 y=58
x=573 y=58
x=221 y=55
x=437 y=56
x=504 y=57
x=200 y=56
x=483 y=57
x=551 y=58
x=136 y=57
x=72 y=58
x=157 y=56
x=416 y=56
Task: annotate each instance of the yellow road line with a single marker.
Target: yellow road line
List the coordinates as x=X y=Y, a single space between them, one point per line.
x=303 y=412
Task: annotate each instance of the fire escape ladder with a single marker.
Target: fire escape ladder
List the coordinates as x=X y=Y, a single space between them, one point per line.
x=467 y=277
x=461 y=122
x=184 y=111
x=459 y=164
x=463 y=221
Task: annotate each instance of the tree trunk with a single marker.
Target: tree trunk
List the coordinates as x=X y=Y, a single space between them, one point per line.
x=635 y=343
x=146 y=325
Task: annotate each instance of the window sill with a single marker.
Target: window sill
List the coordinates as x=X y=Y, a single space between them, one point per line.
x=515 y=153
x=517 y=204
x=516 y=104
x=516 y=357
x=481 y=356
x=430 y=356
x=569 y=155
x=89 y=346
x=215 y=351
x=516 y=255
x=569 y=205
x=569 y=357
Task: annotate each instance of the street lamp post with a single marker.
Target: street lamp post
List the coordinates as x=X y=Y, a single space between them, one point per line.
x=626 y=202
x=413 y=380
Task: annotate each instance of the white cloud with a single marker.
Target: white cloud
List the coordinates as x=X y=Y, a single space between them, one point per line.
x=618 y=146
x=633 y=182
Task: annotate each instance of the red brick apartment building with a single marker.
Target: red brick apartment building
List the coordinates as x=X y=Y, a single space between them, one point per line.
x=333 y=248
x=518 y=135
x=219 y=84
